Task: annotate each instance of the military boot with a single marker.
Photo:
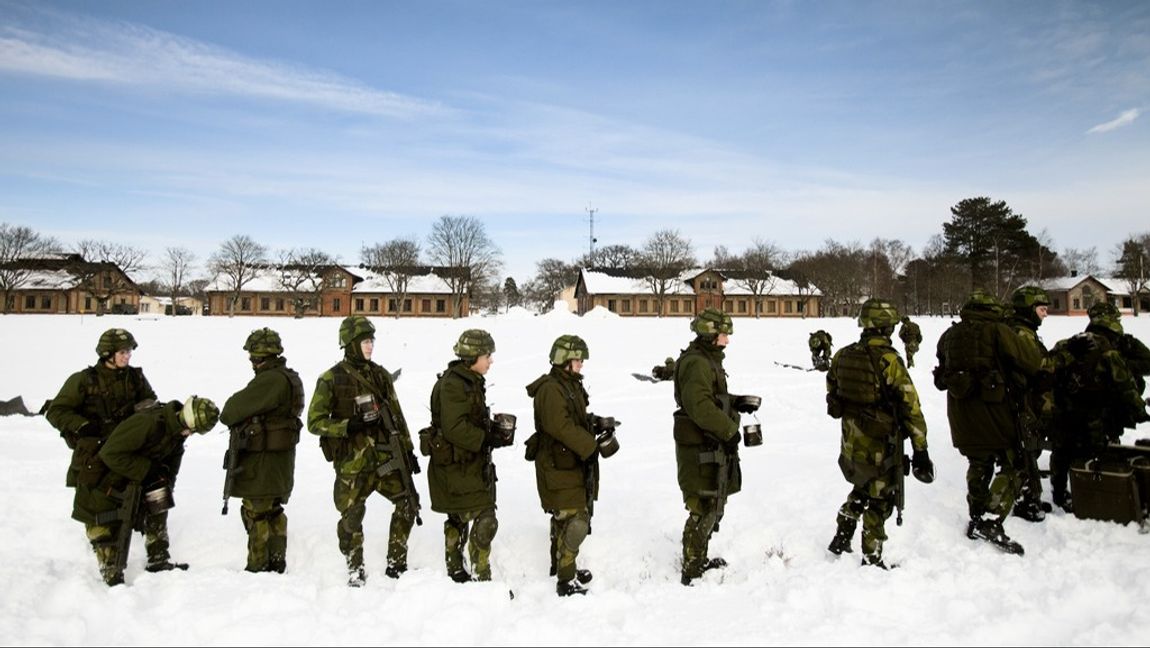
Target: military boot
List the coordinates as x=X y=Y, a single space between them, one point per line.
x=875 y=560
x=843 y=535
x=991 y=530
x=583 y=575
x=165 y=565
x=459 y=575
x=569 y=587
x=1063 y=501
x=1029 y=511
x=356 y=576
x=714 y=563
x=395 y=569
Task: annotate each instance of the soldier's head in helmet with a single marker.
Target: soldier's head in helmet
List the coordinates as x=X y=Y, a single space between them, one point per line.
x=1030 y=304
x=474 y=348
x=879 y=316
x=357 y=338
x=262 y=345
x=569 y=352
x=115 y=348
x=713 y=326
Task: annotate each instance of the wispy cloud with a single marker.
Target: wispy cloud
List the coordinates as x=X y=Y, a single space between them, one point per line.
x=1125 y=119
x=101 y=51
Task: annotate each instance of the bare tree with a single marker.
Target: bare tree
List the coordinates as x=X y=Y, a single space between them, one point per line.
x=610 y=256
x=888 y=259
x=176 y=264
x=18 y=243
x=95 y=273
x=129 y=259
x=1132 y=265
x=396 y=262
x=552 y=276
x=236 y=263
x=1081 y=261
x=666 y=255
x=754 y=270
x=302 y=273
x=461 y=244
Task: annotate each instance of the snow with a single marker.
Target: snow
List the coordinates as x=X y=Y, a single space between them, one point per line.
x=1081 y=582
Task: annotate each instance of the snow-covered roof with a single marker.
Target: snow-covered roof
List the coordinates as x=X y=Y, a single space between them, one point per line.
x=1113 y=284
x=374 y=282
x=616 y=283
x=49 y=280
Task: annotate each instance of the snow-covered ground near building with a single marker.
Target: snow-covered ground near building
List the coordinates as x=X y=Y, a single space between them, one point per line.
x=1081 y=582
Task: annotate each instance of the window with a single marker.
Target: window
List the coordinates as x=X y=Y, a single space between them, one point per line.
x=337 y=281
x=441 y=305
x=29 y=302
x=788 y=306
x=336 y=304
x=265 y=303
x=1077 y=305
x=727 y=306
x=772 y=306
x=279 y=304
x=611 y=305
x=407 y=305
x=1057 y=304
x=674 y=305
x=87 y=303
x=688 y=307
x=46 y=302
x=626 y=305
x=245 y=303
x=359 y=303
x=425 y=305
x=373 y=304
x=741 y=305
x=392 y=305
x=642 y=305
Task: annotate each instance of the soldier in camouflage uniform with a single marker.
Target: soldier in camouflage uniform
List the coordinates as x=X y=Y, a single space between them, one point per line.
x=1134 y=352
x=665 y=371
x=354 y=437
x=869 y=389
x=264 y=418
x=147 y=448
x=1029 y=305
x=565 y=451
x=820 y=345
x=706 y=430
x=979 y=358
x=461 y=475
x=911 y=336
x=1095 y=396
x=92 y=403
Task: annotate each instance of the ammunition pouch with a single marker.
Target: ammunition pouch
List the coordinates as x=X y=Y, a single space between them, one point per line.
x=90 y=469
x=532 y=449
x=939 y=379
x=334 y=447
x=834 y=407
x=425 y=440
x=273 y=436
x=960 y=384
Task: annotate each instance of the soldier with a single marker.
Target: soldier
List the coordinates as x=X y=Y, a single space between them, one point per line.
x=665 y=371
x=871 y=391
x=93 y=402
x=146 y=449
x=1095 y=396
x=706 y=429
x=566 y=455
x=978 y=357
x=264 y=418
x=461 y=475
x=911 y=336
x=820 y=345
x=1029 y=305
x=355 y=412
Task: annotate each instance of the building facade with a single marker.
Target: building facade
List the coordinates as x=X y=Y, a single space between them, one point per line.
x=67 y=284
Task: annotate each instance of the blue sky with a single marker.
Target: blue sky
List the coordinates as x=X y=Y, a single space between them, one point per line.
x=338 y=124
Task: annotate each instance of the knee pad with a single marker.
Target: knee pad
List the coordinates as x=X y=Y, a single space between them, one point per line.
x=574 y=532
x=484 y=531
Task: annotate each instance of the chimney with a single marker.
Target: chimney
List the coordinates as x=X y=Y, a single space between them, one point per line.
x=1074 y=272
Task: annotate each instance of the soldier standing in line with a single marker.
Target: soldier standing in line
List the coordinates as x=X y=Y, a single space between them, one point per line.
x=1029 y=305
x=461 y=474
x=355 y=412
x=911 y=336
x=869 y=389
x=264 y=418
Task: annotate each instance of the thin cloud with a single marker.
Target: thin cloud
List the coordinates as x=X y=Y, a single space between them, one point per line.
x=127 y=54
x=1125 y=119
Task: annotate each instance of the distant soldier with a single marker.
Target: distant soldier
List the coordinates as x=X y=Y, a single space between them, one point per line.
x=145 y=450
x=978 y=358
x=820 y=345
x=1029 y=304
x=461 y=474
x=665 y=371
x=706 y=430
x=565 y=450
x=1095 y=397
x=355 y=412
x=869 y=389
x=264 y=418
x=911 y=336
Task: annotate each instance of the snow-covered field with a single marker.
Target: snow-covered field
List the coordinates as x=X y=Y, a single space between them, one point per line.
x=1080 y=582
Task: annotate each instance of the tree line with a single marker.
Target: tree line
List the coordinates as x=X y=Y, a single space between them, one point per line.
x=985 y=244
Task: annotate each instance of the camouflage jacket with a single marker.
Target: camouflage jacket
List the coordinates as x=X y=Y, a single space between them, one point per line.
x=704 y=420
x=91 y=404
x=267 y=414
x=910 y=334
x=563 y=446
x=460 y=475
x=1037 y=397
x=1095 y=395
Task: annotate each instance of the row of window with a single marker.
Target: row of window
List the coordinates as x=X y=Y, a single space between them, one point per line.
x=651 y=306
x=361 y=305
x=679 y=306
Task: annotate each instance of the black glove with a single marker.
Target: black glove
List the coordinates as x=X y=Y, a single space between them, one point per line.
x=415 y=469
x=355 y=425
x=1082 y=344
x=732 y=444
x=922 y=466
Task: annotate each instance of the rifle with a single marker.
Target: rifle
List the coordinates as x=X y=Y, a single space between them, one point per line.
x=900 y=468
x=128 y=514
x=590 y=477
x=237 y=443
x=722 y=458
x=402 y=460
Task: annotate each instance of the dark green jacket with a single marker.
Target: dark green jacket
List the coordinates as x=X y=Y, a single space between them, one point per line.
x=704 y=420
x=460 y=475
x=266 y=415
x=563 y=446
x=96 y=399
x=149 y=441
x=1095 y=398
x=981 y=359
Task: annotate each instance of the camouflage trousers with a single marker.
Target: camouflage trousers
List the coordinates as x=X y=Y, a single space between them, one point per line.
x=351 y=493
x=987 y=492
x=475 y=530
x=569 y=527
x=103 y=540
x=266 y=524
x=1030 y=478
x=873 y=505
x=702 y=521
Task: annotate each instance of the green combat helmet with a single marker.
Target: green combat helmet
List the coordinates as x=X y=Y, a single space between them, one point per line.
x=568 y=347
x=199 y=414
x=983 y=301
x=262 y=343
x=474 y=343
x=878 y=313
x=1029 y=297
x=1106 y=315
x=114 y=340
x=711 y=322
x=354 y=327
